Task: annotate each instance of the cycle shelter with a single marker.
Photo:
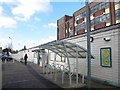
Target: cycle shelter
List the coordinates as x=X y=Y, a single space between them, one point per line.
x=68 y=50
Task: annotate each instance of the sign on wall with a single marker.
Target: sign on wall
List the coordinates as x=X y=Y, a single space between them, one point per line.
x=105 y=54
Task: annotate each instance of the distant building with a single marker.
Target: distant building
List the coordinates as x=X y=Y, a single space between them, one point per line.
x=102 y=14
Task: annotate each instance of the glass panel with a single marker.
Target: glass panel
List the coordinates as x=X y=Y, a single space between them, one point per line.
x=79 y=49
x=83 y=54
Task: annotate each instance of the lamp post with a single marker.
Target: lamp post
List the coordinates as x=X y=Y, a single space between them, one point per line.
x=11 y=42
x=88 y=44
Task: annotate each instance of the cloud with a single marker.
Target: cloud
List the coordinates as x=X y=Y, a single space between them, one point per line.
x=50 y=25
x=26 y=8
x=19 y=44
x=4 y=42
x=6 y=21
x=6 y=1
x=1 y=10
x=37 y=19
x=33 y=43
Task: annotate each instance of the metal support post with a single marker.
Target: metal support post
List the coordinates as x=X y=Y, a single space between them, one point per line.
x=13 y=60
x=43 y=65
x=68 y=64
x=5 y=61
x=84 y=69
x=63 y=77
x=50 y=71
x=76 y=65
x=47 y=63
x=48 y=57
x=88 y=44
x=55 y=66
x=46 y=70
x=63 y=74
x=55 y=74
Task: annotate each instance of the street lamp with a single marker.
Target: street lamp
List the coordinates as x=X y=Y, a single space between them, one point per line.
x=11 y=42
x=88 y=44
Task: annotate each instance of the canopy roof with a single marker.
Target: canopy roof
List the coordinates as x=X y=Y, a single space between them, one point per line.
x=59 y=48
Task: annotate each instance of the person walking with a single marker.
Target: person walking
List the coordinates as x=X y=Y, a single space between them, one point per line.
x=25 y=58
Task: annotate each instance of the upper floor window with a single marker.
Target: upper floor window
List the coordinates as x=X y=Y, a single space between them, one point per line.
x=63 y=32
x=70 y=24
x=81 y=15
x=80 y=26
x=71 y=33
x=100 y=19
x=58 y=34
x=117 y=2
x=117 y=14
x=99 y=7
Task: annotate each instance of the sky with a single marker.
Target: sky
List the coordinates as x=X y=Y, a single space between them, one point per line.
x=32 y=22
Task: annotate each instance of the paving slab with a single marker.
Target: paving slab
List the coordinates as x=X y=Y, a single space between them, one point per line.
x=18 y=75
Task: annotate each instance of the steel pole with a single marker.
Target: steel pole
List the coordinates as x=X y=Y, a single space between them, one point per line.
x=88 y=44
x=76 y=65
x=11 y=42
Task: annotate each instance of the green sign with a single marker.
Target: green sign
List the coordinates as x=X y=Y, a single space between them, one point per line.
x=105 y=54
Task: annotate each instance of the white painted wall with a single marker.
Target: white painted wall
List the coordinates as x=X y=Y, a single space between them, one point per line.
x=105 y=73
x=97 y=71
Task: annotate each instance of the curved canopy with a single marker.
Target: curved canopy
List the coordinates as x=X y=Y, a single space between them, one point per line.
x=60 y=48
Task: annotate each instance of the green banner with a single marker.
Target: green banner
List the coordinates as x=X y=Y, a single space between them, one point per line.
x=106 y=57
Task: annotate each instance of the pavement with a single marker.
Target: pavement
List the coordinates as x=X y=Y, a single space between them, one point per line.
x=18 y=75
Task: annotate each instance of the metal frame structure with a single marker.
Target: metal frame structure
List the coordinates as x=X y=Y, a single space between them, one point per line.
x=68 y=50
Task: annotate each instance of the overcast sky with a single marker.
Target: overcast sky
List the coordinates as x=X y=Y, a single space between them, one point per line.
x=32 y=22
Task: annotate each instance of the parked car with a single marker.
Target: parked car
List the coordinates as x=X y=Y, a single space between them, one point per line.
x=7 y=57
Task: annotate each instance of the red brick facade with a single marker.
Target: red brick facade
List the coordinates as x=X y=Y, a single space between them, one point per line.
x=69 y=31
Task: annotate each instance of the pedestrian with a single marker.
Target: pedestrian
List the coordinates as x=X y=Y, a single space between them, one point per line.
x=25 y=58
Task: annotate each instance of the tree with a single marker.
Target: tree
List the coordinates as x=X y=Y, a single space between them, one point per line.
x=24 y=47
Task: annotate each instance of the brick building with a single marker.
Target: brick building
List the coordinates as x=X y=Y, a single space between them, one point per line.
x=102 y=14
x=105 y=34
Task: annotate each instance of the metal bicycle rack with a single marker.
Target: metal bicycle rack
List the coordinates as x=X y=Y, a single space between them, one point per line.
x=68 y=50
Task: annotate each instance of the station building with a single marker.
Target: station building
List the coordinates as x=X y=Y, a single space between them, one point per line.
x=105 y=42
x=104 y=35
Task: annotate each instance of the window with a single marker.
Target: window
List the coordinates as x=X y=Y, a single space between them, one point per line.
x=106 y=5
x=58 y=33
x=92 y=23
x=99 y=7
x=80 y=26
x=117 y=13
x=81 y=15
x=66 y=29
x=70 y=25
x=63 y=32
x=100 y=19
x=107 y=18
x=71 y=33
x=117 y=2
